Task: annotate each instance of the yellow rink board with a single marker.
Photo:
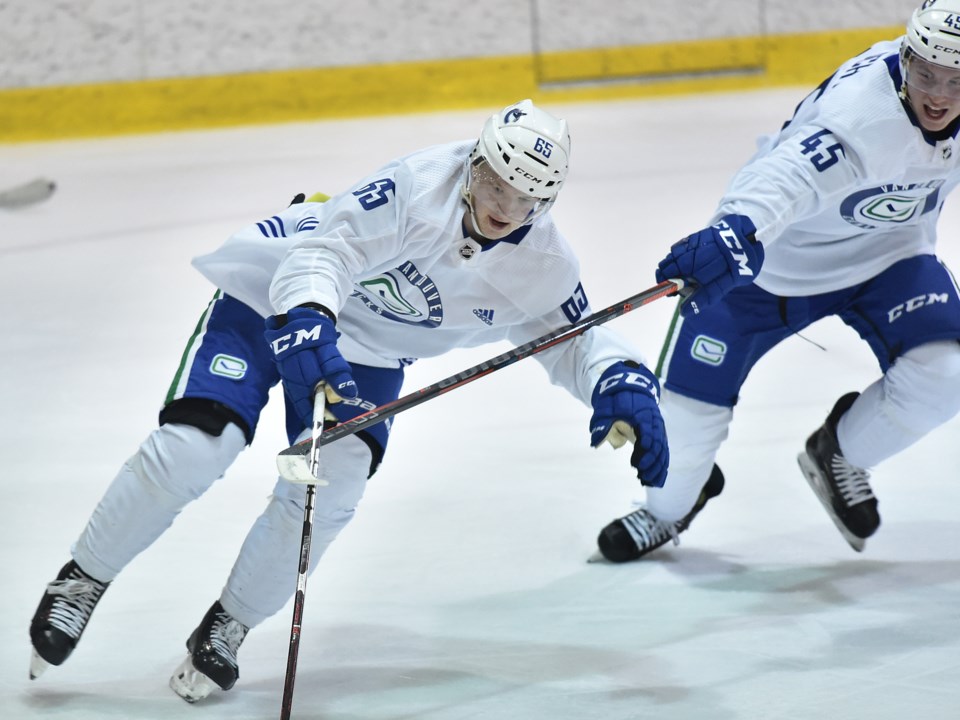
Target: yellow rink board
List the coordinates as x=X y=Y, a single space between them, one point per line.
x=48 y=113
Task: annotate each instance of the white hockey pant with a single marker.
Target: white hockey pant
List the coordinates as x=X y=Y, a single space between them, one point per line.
x=175 y=465
x=919 y=392
x=695 y=431
x=264 y=575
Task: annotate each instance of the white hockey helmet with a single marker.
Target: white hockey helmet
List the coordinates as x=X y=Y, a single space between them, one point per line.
x=527 y=147
x=933 y=33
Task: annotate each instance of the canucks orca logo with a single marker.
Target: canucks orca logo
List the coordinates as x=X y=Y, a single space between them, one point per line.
x=405 y=295
x=385 y=290
x=874 y=207
x=513 y=115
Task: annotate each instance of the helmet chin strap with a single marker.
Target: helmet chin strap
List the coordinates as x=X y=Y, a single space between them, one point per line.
x=468 y=199
x=904 y=59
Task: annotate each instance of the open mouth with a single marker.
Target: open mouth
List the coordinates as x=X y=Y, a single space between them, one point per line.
x=935 y=113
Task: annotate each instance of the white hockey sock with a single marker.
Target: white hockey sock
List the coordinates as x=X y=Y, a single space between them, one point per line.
x=174 y=465
x=695 y=431
x=919 y=392
x=264 y=575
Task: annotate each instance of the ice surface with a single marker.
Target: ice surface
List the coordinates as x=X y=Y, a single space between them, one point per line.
x=461 y=591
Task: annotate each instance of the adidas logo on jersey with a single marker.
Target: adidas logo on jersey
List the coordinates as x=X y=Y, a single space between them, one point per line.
x=485 y=315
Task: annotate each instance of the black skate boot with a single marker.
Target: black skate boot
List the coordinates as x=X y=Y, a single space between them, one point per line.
x=634 y=535
x=212 y=661
x=843 y=489
x=62 y=616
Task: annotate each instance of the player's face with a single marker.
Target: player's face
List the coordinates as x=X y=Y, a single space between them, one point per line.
x=490 y=223
x=498 y=208
x=933 y=92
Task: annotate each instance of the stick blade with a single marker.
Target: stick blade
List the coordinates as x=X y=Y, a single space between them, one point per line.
x=293 y=464
x=27 y=194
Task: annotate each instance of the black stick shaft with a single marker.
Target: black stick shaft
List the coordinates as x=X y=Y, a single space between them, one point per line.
x=388 y=410
x=306 y=538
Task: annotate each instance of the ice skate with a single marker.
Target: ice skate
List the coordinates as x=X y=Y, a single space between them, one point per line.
x=634 y=535
x=62 y=616
x=843 y=489
x=212 y=661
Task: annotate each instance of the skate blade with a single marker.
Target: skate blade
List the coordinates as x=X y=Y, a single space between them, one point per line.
x=38 y=666
x=812 y=474
x=189 y=683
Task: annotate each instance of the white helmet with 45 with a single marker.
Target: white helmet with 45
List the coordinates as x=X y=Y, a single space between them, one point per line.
x=933 y=32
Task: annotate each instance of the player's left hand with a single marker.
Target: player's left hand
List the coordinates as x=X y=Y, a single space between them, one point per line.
x=626 y=407
x=713 y=261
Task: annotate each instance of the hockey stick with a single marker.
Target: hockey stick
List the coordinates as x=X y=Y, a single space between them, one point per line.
x=27 y=194
x=292 y=462
x=319 y=404
x=300 y=462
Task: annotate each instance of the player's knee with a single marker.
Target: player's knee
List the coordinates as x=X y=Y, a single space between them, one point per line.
x=940 y=360
x=348 y=462
x=928 y=376
x=285 y=509
x=332 y=512
x=182 y=461
x=693 y=426
x=345 y=466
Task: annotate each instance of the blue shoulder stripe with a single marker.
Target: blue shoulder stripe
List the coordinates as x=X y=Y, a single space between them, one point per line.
x=272 y=227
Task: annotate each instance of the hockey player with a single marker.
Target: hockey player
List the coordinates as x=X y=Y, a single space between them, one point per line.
x=452 y=246
x=835 y=215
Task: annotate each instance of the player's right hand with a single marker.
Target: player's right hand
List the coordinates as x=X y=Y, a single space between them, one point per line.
x=713 y=261
x=304 y=346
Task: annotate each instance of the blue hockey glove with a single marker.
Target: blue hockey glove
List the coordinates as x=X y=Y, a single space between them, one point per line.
x=304 y=345
x=626 y=407
x=713 y=261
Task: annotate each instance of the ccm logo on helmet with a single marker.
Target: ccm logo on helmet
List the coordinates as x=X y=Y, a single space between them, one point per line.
x=519 y=170
x=947 y=50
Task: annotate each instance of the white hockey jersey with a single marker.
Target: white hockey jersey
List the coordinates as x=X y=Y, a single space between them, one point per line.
x=391 y=258
x=849 y=186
